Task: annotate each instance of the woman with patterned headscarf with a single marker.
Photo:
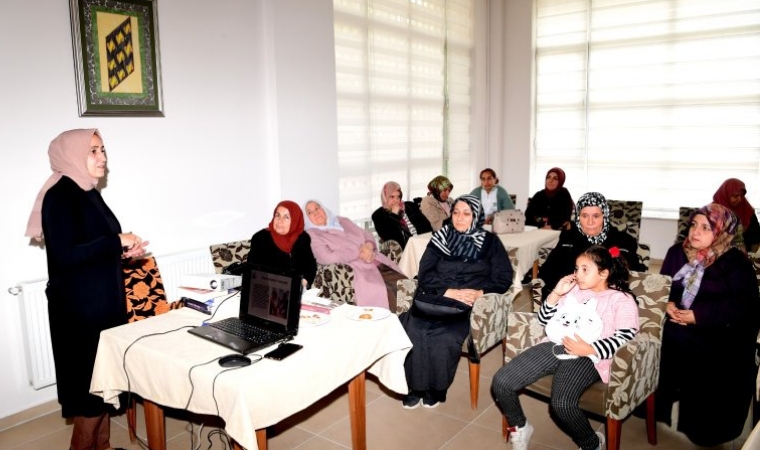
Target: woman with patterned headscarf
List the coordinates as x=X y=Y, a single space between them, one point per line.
x=732 y=194
x=436 y=206
x=551 y=207
x=396 y=219
x=591 y=227
x=283 y=244
x=85 y=249
x=461 y=263
x=708 y=346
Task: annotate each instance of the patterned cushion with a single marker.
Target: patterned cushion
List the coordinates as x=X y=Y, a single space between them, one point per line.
x=682 y=230
x=228 y=253
x=392 y=250
x=336 y=282
x=626 y=216
x=145 y=290
x=635 y=366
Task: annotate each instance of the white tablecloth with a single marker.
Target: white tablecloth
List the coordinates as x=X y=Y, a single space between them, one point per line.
x=527 y=244
x=159 y=368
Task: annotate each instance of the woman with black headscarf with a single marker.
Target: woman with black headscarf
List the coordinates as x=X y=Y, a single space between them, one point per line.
x=461 y=263
x=552 y=206
x=708 y=344
x=591 y=227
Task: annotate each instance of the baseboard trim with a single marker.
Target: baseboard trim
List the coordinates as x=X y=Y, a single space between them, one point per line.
x=29 y=414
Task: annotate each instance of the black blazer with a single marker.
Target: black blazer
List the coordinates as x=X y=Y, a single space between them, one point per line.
x=388 y=225
x=301 y=260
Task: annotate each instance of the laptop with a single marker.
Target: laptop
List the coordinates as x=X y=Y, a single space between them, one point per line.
x=270 y=305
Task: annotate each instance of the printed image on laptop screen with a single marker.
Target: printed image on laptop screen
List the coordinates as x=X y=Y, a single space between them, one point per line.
x=269 y=296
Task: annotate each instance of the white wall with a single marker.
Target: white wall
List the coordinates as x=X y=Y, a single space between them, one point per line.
x=249 y=94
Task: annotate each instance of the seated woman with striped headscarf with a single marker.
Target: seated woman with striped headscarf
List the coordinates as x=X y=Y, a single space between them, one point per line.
x=461 y=263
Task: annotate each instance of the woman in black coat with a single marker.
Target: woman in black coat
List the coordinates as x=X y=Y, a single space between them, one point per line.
x=552 y=206
x=460 y=264
x=86 y=295
x=398 y=220
x=591 y=227
x=708 y=346
x=284 y=245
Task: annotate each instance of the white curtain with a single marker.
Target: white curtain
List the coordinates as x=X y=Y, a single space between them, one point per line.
x=651 y=100
x=403 y=71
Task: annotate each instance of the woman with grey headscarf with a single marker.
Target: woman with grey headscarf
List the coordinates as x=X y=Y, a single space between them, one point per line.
x=591 y=227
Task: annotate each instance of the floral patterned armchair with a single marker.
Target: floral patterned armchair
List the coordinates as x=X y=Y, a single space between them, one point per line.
x=488 y=322
x=229 y=253
x=336 y=281
x=635 y=366
x=145 y=298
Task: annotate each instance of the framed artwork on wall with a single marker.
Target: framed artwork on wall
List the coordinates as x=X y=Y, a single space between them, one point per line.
x=116 y=57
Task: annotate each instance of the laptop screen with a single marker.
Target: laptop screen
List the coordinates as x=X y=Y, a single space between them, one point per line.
x=271 y=295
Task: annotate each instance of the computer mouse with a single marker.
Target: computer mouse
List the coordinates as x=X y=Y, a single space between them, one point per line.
x=234 y=360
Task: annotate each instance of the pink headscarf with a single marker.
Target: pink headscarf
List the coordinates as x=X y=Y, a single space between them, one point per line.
x=68 y=156
x=388 y=189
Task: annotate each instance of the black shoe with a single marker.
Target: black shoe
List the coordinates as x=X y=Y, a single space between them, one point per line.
x=429 y=400
x=411 y=400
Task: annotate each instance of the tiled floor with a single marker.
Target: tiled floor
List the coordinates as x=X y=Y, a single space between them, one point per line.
x=325 y=426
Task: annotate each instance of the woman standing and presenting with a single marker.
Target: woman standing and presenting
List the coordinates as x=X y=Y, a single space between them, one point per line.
x=492 y=196
x=551 y=207
x=86 y=294
x=460 y=264
x=708 y=344
x=284 y=245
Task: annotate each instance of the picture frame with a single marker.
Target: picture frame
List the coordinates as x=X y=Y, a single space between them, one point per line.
x=116 y=57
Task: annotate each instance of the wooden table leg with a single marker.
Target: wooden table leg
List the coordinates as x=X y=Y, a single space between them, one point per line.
x=155 y=425
x=357 y=408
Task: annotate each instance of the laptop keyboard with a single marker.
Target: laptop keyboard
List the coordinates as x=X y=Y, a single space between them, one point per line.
x=246 y=331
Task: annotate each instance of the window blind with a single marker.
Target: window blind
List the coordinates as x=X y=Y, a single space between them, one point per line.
x=651 y=100
x=403 y=74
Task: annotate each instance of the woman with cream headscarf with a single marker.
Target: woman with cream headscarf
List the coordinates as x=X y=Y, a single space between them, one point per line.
x=551 y=207
x=591 y=227
x=436 y=205
x=732 y=194
x=284 y=245
x=708 y=345
x=338 y=240
x=398 y=220
x=86 y=295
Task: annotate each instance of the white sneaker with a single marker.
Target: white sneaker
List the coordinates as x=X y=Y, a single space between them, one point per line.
x=520 y=437
x=602 y=440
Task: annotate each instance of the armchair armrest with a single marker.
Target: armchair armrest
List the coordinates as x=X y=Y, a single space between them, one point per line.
x=524 y=332
x=392 y=249
x=488 y=320
x=335 y=282
x=634 y=373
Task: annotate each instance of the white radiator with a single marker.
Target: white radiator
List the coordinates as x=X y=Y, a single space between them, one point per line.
x=34 y=313
x=173 y=266
x=34 y=323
